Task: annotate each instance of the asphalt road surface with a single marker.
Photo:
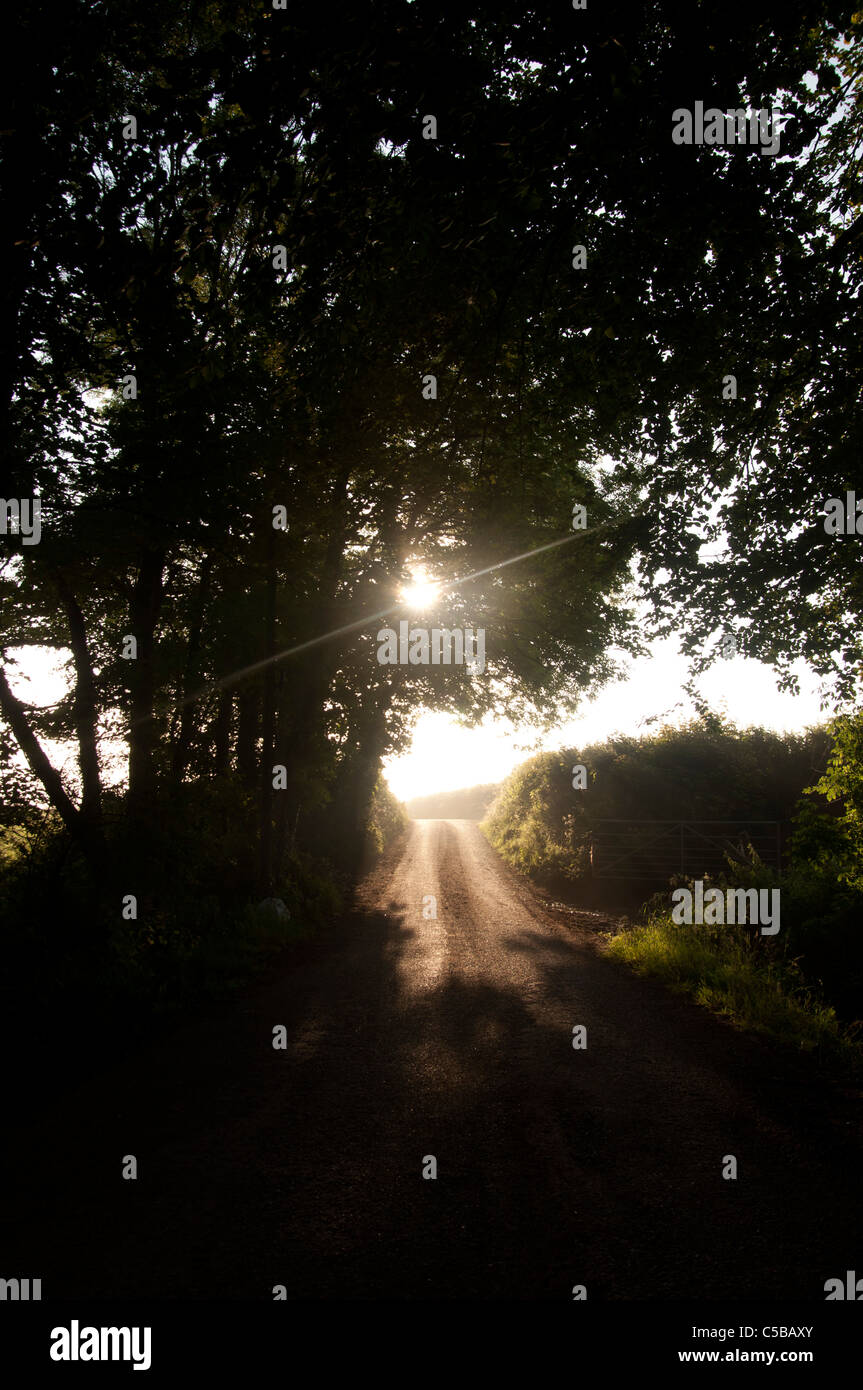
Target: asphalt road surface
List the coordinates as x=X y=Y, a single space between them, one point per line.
x=411 y=1036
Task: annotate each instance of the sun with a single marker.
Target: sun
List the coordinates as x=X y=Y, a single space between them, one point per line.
x=422 y=592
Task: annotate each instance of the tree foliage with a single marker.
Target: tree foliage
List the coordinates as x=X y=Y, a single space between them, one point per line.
x=232 y=212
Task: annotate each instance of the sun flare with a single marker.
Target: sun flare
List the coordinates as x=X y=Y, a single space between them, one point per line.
x=422 y=592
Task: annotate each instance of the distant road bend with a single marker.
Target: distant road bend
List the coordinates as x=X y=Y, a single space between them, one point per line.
x=411 y=1037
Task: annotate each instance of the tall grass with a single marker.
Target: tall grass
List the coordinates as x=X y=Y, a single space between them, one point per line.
x=723 y=970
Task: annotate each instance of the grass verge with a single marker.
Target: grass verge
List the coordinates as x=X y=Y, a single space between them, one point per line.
x=723 y=970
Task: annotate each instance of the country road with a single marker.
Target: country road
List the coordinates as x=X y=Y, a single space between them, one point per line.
x=447 y=1036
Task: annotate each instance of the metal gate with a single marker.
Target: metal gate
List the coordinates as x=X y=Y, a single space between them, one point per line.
x=658 y=849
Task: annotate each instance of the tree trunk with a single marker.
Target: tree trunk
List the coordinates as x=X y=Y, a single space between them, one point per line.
x=284 y=799
x=268 y=723
x=222 y=734
x=247 y=735
x=84 y=833
x=144 y=612
x=365 y=772
x=86 y=714
x=180 y=753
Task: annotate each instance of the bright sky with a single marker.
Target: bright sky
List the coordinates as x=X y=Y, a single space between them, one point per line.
x=42 y=678
x=445 y=756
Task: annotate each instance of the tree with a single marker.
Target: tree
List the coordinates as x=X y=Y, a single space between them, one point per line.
x=279 y=258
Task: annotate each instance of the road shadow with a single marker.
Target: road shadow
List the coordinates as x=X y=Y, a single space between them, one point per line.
x=302 y=1166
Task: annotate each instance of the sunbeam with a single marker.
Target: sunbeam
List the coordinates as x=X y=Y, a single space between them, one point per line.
x=439 y=591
